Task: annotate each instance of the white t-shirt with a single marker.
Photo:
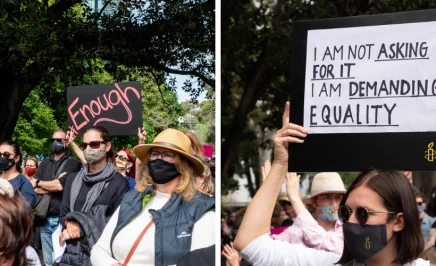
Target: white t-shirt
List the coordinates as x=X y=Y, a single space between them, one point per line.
x=203 y=235
x=266 y=251
x=32 y=256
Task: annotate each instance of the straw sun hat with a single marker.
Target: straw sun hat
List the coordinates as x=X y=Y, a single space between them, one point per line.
x=174 y=140
x=286 y=199
x=328 y=182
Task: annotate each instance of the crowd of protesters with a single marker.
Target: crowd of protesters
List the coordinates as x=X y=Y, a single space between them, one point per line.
x=112 y=208
x=380 y=219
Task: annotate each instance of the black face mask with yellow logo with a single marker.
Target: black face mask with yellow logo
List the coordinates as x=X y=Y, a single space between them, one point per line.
x=364 y=240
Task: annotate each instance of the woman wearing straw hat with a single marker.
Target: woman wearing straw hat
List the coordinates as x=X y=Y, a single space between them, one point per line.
x=324 y=233
x=164 y=218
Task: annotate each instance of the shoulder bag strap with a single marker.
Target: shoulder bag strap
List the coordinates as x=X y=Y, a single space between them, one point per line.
x=138 y=240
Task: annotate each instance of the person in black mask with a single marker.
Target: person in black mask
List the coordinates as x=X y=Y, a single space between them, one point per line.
x=10 y=164
x=172 y=215
x=48 y=184
x=381 y=224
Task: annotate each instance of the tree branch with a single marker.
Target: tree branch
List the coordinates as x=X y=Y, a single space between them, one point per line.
x=102 y=9
x=205 y=79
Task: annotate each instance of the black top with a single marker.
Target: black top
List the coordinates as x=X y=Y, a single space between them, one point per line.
x=46 y=171
x=111 y=196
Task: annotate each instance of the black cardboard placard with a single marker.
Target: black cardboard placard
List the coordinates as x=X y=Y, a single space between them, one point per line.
x=117 y=107
x=357 y=151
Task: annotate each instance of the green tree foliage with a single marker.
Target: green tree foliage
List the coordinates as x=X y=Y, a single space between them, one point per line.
x=35 y=125
x=200 y=119
x=51 y=44
x=256 y=56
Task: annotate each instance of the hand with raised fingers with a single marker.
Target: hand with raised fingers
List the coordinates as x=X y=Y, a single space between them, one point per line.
x=265 y=169
x=292 y=186
x=289 y=133
x=231 y=255
x=69 y=138
x=142 y=135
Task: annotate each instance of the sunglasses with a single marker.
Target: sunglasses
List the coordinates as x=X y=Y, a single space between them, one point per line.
x=419 y=203
x=57 y=139
x=93 y=144
x=122 y=158
x=5 y=154
x=361 y=214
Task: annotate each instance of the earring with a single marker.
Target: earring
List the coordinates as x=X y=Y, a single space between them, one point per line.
x=128 y=170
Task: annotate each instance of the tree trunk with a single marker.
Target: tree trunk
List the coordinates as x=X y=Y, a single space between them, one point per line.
x=247 y=173
x=16 y=89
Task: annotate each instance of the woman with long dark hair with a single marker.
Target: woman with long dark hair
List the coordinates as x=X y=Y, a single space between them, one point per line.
x=90 y=196
x=10 y=165
x=381 y=225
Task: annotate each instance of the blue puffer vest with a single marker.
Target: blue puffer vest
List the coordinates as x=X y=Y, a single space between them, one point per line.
x=174 y=222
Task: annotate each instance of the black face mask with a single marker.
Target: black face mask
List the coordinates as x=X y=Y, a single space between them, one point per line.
x=57 y=147
x=6 y=164
x=364 y=241
x=162 y=172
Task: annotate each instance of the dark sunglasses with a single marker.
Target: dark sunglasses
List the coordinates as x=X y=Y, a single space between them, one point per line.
x=420 y=203
x=93 y=144
x=361 y=214
x=5 y=154
x=57 y=139
x=122 y=157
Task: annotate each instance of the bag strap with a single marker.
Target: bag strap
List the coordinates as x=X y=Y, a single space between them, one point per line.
x=61 y=167
x=135 y=245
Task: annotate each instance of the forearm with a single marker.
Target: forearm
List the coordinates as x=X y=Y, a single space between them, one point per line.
x=297 y=204
x=41 y=191
x=52 y=186
x=139 y=166
x=78 y=152
x=431 y=239
x=429 y=243
x=257 y=218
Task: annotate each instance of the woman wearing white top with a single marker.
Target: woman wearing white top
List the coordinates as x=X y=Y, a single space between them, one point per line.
x=175 y=217
x=381 y=225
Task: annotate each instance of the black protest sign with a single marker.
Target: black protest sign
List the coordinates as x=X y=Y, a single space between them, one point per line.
x=117 y=107
x=365 y=88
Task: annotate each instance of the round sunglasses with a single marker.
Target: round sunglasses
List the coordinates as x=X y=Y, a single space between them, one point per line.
x=6 y=154
x=361 y=214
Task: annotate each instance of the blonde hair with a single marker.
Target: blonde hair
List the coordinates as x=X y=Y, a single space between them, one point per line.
x=186 y=182
x=196 y=147
x=208 y=187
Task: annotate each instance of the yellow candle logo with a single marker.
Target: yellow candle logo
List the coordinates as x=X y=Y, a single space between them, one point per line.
x=430 y=153
x=367 y=243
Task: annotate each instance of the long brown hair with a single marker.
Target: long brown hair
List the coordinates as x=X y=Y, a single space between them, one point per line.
x=15 y=228
x=398 y=196
x=196 y=147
